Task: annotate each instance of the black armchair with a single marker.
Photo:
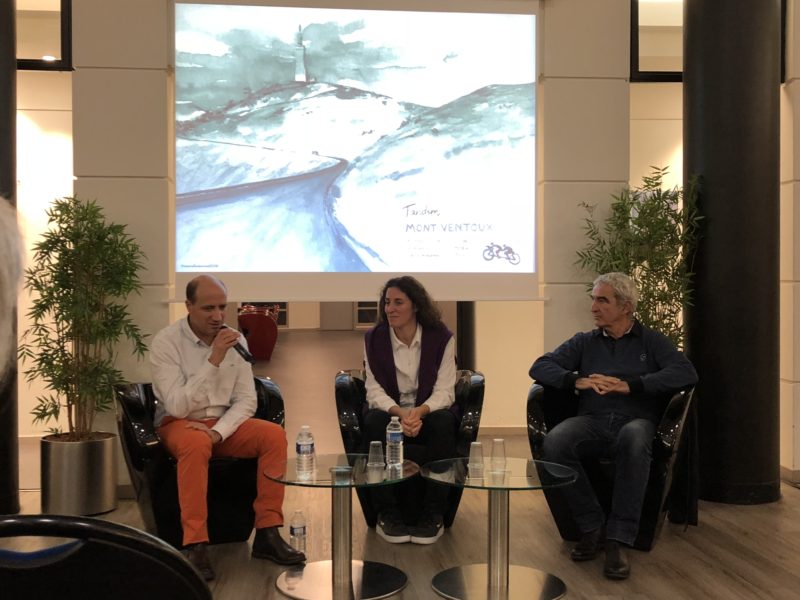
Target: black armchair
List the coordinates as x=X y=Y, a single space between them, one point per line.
x=231 y=481
x=351 y=403
x=548 y=406
x=92 y=559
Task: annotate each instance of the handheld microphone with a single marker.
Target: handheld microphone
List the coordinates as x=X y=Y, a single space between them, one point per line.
x=242 y=350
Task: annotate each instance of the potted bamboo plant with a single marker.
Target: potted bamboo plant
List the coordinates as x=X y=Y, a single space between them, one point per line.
x=651 y=233
x=83 y=269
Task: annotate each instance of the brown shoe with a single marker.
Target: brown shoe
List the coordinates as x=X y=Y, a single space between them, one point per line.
x=269 y=544
x=197 y=554
x=617 y=565
x=589 y=545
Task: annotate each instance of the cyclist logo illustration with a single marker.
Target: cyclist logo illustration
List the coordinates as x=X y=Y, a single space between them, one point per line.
x=497 y=251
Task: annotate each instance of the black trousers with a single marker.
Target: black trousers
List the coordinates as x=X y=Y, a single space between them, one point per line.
x=435 y=441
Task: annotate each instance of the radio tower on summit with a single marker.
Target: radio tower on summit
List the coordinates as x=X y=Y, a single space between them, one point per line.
x=300 y=73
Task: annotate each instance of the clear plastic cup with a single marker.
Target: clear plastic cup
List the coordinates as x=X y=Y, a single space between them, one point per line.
x=475 y=463
x=375 y=456
x=498 y=462
x=375 y=473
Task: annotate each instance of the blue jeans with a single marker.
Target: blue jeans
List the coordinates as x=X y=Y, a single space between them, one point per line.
x=625 y=440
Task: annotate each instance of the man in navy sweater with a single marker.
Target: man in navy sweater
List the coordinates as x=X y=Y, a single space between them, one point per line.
x=621 y=372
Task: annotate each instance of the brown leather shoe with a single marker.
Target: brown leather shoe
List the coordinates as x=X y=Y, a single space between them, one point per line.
x=589 y=545
x=269 y=544
x=617 y=565
x=197 y=554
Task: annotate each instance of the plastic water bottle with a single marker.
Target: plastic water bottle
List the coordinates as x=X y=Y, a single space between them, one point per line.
x=306 y=458
x=298 y=531
x=394 y=443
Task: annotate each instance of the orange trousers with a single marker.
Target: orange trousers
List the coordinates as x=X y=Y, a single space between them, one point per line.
x=193 y=449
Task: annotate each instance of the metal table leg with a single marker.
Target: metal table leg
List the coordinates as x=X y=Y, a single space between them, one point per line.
x=342 y=538
x=498 y=580
x=498 y=544
x=341 y=578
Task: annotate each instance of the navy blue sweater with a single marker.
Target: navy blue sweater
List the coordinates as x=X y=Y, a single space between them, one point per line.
x=646 y=359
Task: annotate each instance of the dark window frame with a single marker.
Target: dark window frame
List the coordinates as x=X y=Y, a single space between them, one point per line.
x=638 y=76
x=365 y=306
x=65 y=62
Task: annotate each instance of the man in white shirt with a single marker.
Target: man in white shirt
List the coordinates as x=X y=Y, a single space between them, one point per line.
x=206 y=403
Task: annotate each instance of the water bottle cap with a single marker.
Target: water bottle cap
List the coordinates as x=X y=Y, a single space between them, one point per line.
x=395 y=418
x=305 y=428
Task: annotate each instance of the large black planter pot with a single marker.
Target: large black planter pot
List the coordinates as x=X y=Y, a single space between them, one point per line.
x=79 y=478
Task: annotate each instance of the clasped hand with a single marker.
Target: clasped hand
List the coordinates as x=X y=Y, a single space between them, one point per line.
x=411 y=420
x=603 y=384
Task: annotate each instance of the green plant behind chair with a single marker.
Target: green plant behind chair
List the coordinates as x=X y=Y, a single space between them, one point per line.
x=651 y=234
x=83 y=270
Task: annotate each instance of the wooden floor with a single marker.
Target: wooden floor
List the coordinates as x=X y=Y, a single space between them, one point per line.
x=737 y=552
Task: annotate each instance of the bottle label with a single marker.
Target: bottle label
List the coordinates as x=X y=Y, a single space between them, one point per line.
x=394 y=436
x=297 y=531
x=304 y=448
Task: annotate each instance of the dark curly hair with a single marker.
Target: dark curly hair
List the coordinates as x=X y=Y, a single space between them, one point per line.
x=428 y=314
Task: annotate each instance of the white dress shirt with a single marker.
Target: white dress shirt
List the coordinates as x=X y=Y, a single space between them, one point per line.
x=406 y=362
x=189 y=387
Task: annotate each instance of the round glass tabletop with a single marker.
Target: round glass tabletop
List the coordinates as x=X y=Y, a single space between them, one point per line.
x=343 y=470
x=510 y=474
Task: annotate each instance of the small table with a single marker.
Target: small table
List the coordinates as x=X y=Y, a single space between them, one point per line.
x=498 y=580
x=342 y=578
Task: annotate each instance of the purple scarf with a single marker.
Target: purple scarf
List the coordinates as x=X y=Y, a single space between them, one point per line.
x=381 y=360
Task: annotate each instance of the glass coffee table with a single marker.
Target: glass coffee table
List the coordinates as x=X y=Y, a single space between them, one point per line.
x=498 y=580
x=342 y=578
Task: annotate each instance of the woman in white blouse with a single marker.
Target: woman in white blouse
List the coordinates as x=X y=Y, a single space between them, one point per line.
x=411 y=373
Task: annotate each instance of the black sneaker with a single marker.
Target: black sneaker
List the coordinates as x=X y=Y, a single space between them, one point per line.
x=392 y=528
x=429 y=528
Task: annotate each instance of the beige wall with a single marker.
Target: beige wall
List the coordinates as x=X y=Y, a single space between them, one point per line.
x=657 y=131
x=594 y=130
x=44 y=172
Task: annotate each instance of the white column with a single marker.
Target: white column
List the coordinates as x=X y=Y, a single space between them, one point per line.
x=583 y=112
x=790 y=254
x=123 y=142
x=122 y=137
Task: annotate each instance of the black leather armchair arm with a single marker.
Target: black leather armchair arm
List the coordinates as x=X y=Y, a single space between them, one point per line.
x=350 y=399
x=670 y=428
x=536 y=426
x=470 y=387
x=544 y=415
x=270 y=401
x=141 y=440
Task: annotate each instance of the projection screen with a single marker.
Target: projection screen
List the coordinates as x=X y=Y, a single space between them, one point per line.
x=320 y=151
